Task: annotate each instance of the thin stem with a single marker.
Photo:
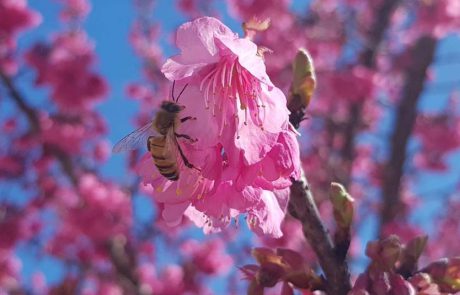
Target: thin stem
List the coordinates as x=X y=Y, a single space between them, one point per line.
x=20 y=102
x=302 y=207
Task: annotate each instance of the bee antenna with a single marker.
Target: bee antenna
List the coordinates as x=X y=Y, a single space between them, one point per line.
x=172 y=90
x=181 y=92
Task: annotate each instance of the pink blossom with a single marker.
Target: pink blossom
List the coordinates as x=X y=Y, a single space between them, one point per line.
x=71 y=135
x=99 y=212
x=438 y=18
x=209 y=257
x=65 y=66
x=246 y=155
x=237 y=92
x=10 y=268
x=75 y=9
x=11 y=166
x=15 y=17
x=439 y=136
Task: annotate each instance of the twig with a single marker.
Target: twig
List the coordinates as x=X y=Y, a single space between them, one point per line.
x=302 y=207
x=124 y=261
x=29 y=111
x=422 y=56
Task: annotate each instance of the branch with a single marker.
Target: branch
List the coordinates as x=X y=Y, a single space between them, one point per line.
x=122 y=256
x=302 y=207
x=375 y=38
x=29 y=111
x=422 y=56
x=32 y=116
x=376 y=33
x=124 y=261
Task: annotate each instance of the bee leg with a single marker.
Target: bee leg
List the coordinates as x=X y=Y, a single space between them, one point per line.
x=186 y=137
x=187 y=118
x=186 y=162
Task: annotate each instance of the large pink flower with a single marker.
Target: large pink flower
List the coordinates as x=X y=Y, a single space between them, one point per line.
x=228 y=79
x=246 y=152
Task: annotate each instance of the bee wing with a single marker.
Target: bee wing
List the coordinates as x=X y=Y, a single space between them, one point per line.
x=135 y=139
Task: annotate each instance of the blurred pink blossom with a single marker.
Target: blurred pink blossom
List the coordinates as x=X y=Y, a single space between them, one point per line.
x=209 y=256
x=15 y=17
x=65 y=66
x=75 y=9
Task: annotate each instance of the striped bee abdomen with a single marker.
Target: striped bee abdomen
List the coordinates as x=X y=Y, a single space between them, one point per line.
x=163 y=157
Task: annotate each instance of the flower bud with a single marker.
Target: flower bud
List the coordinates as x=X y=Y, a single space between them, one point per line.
x=343 y=205
x=269 y=274
x=304 y=78
x=254 y=25
x=411 y=254
x=384 y=253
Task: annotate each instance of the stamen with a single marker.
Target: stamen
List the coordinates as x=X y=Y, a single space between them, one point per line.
x=222 y=74
x=230 y=73
x=229 y=80
x=206 y=78
x=245 y=116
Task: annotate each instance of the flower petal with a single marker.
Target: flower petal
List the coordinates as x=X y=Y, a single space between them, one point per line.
x=248 y=58
x=269 y=214
x=172 y=213
x=196 y=41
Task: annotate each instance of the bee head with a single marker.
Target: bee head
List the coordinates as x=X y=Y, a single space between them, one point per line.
x=171 y=107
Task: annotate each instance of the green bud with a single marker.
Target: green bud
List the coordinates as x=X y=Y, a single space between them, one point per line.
x=304 y=78
x=342 y=203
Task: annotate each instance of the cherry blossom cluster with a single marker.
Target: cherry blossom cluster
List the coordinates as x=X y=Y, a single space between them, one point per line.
x=15 y=17
x=242 y=144
x=64 y=65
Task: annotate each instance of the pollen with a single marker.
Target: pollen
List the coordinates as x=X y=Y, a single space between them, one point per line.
x=159 y=189
x=178 y=191
x=229 y=88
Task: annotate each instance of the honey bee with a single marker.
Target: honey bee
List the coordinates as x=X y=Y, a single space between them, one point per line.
x=161 y=138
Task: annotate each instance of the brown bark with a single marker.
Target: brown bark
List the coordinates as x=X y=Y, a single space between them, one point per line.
x=375 y=38
x=29 y=111
x=302 y=207
x=422 y=55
